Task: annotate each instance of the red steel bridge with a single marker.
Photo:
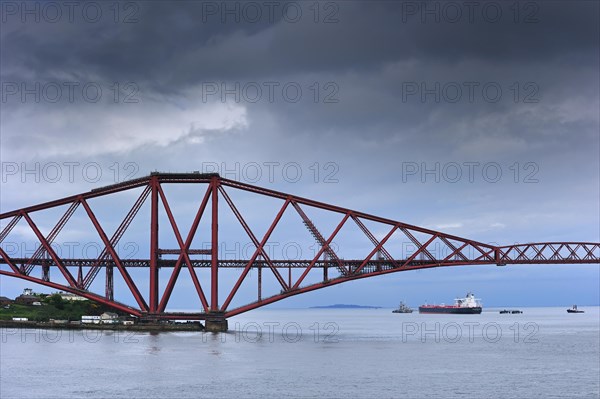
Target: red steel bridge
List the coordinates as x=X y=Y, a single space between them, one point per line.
x=215 y=307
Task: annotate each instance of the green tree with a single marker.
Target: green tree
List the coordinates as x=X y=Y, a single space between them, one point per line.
x=57 y=301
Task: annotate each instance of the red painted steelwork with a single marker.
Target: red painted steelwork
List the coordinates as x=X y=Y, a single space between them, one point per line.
x=153 y=295
x=462 y=251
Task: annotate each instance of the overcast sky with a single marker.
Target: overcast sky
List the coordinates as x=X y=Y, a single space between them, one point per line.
x=479 y=119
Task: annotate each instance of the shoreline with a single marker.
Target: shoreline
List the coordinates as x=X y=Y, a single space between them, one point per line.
x=146 y=327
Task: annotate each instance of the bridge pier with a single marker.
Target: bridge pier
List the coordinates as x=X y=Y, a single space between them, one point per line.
x=215 y=323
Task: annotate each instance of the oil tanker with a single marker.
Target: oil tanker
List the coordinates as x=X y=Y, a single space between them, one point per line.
x=468 y=305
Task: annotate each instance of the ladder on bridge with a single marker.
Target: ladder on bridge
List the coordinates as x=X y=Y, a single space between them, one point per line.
x=331 y=255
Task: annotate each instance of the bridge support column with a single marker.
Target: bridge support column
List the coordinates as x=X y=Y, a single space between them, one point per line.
x=214 y=258
x=216 y=322
x=109 y=288
x=45 y=272
x=259 y=282
x=153 y=302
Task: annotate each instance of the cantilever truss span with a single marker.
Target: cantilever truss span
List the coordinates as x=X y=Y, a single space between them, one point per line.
x=377 y=260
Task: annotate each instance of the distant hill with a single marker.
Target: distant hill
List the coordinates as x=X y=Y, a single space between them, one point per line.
x=342 y=306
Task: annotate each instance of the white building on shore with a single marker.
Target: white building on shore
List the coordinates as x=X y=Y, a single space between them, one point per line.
x=90 y=319
x=67 y=296
x=104 y=318
x=109 y=318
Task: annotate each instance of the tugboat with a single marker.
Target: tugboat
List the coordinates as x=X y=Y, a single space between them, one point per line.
x=574 y=310
x=468 y=305
x=402 y=308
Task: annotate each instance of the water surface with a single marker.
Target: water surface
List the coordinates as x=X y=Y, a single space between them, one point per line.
x=543 y=353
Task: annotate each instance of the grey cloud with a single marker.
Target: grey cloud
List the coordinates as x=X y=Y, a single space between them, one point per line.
x=171 y=47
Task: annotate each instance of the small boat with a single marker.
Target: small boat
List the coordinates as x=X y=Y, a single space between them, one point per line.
x=467 y=305
x=511 y=311
x=402 y=308
x=574 y=310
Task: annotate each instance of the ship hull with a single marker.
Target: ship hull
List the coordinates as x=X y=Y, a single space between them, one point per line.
x=449 y=310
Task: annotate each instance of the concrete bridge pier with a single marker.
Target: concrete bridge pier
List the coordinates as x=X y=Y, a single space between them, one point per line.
x=215 y=323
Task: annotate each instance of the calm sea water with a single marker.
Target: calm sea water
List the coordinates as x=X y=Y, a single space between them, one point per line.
x=543 y=353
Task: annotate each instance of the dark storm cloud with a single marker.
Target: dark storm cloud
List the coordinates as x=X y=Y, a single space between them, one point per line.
x=366 y=60
x=175 y=45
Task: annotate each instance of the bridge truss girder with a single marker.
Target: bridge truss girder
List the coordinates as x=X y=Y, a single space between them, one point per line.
x=461 y=251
